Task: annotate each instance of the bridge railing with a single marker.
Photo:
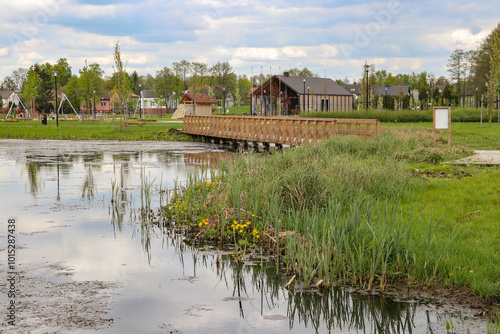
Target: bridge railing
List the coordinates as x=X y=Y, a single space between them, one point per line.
x=279 y=130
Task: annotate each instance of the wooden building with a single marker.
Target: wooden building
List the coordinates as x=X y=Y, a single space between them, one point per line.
x=285 y=94
x=196 y=104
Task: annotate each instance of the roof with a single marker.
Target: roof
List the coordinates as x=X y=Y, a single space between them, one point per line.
x=392 y=90
x=253 y=89
x=5 y=94
x=148 y=94
x=319 y=86
x=353 y=89
x=198 y=98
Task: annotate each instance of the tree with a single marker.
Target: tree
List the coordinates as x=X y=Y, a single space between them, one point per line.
x=182 y=70
x=45 y=91
x=456 y=65
x=90 y=81
x=492 y=91
x=8 y=84
x=63 y=71
x=223 y=76
x=244 y=86
x=31 y=87
x=122 y=87
x=165 y=83
x=19 y=76
x=305 y=72
x=199 y=70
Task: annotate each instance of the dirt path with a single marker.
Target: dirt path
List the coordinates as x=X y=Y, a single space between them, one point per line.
x=483 y=158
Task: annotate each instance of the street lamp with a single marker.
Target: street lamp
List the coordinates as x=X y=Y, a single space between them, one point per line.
x=308 y=109
x=161 y=109
x=367 y=67
x=57 y=113
x=93 y=114
x=140 y=101
x=476 y=98
x=304 y=97
x=224 y=105
x=265 y=104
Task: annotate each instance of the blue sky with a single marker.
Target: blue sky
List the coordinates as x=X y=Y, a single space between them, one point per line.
x=332 y=37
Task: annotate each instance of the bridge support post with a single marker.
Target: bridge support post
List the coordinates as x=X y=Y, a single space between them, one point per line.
x=279 y=147
x=255 y=146
x=266 y=147
x=243 y=145
x=234 y=144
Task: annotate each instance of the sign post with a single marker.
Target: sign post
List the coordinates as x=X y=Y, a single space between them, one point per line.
x=442 y=121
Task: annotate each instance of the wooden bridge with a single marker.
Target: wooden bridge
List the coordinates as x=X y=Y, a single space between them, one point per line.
x=294 y=131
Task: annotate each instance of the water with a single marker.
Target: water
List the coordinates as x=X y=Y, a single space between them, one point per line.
x=84 y=269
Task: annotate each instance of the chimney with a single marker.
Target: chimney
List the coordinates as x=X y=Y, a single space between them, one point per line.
x=287 y=74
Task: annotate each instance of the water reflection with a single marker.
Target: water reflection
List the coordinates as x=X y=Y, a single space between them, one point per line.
x=248 y=295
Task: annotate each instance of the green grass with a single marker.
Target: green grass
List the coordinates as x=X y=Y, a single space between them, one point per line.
x=87 y=130
x=470 y=135
x=356 y=214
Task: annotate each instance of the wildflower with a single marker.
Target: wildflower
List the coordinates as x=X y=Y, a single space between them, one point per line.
x=450 y=274
x=471 y=271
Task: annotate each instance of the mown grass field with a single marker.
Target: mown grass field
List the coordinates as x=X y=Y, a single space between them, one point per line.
x=92 y=130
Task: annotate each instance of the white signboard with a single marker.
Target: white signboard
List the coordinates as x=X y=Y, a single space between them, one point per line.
x=441 y=120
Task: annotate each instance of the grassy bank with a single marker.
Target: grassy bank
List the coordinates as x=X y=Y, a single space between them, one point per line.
x=357 y=212
x=88 y=130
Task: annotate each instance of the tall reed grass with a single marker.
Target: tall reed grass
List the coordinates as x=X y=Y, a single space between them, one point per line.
x=328 y=212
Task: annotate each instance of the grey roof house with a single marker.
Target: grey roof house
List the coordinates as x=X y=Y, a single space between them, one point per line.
x=293 y=94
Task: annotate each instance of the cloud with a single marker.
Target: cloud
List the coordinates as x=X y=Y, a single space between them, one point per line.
x=318 y=34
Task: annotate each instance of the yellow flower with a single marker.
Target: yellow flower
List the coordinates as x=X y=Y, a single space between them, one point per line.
x=471 y=271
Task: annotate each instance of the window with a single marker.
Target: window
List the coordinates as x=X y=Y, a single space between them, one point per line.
x=103 y=104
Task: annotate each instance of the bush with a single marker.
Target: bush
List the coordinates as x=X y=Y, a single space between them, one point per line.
x=405 y=116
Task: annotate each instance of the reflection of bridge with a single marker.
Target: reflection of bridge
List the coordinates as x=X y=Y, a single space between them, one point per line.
x=203 y=158
x=278 y=130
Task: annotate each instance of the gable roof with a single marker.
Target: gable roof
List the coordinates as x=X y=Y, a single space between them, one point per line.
x=392 y=90
x=318 y=86
x=198 y=98
x=148 y=94
x=5 y=94
x=353 y=89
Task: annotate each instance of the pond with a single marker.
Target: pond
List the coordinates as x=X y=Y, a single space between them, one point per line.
x=82 y=266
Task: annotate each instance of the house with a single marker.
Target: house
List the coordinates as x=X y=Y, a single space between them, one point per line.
x=219 y=92
x=354 y=89
x=287 y=94
x=391 y=90
x=8 y=97
x=194 y=104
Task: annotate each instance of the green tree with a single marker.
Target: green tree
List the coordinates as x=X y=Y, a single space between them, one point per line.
x=46 y=90
x=90 y=81
x=123 y=86
x=31 y=87
x=199 y=78
x=63 y=71
x=492 y=91
x=182 y=70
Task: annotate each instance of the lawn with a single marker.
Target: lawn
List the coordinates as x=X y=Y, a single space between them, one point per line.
x=93 y=130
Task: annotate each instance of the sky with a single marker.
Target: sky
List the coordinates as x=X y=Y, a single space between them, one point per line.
x=332 y=38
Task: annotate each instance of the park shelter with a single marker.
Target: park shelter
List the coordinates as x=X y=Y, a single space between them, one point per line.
x=195 y=104
x=285 y=94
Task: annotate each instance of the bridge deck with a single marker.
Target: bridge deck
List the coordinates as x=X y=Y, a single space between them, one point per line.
x=279 y=130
